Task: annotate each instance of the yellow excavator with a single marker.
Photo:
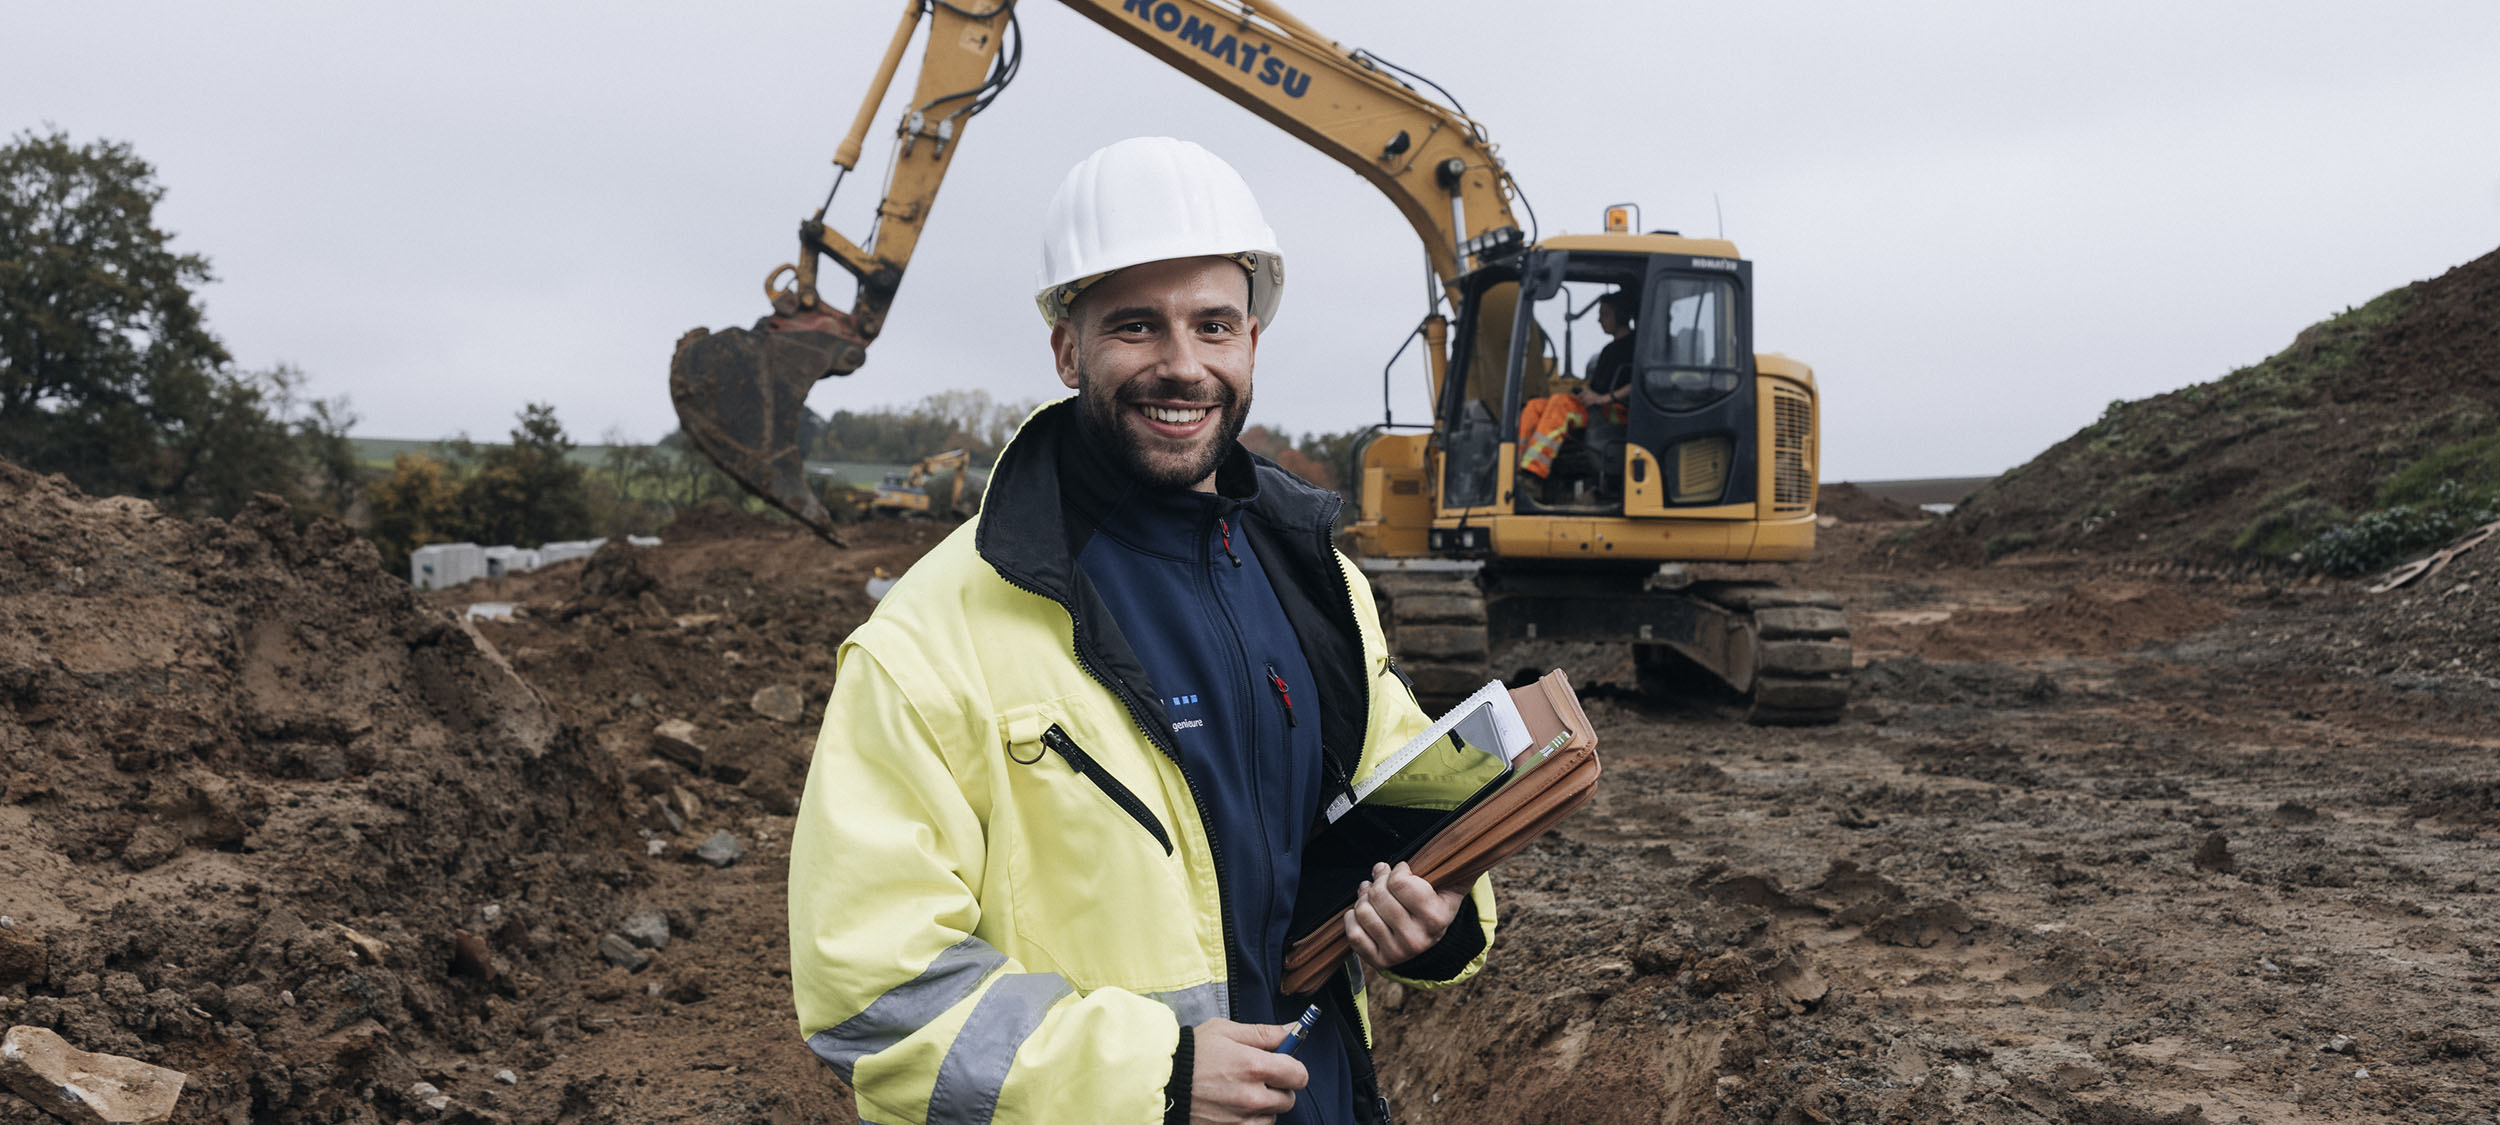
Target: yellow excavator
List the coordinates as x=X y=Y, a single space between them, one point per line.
x=1710 y=459
x=907 y=493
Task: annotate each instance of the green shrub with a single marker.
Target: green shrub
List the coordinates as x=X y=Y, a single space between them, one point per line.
x=2384 y=537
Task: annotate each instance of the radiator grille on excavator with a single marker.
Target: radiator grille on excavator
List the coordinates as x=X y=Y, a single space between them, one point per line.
x=1792 y=451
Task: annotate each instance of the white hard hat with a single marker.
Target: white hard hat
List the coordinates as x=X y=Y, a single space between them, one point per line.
x=1152 y=199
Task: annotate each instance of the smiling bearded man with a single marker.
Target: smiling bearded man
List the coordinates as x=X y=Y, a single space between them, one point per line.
x=1160 y=355
x=1053 y=832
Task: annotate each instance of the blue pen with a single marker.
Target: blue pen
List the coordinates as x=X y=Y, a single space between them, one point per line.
x=1293 y=1038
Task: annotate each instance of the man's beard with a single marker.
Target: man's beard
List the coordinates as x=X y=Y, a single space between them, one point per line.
x=1109 y=418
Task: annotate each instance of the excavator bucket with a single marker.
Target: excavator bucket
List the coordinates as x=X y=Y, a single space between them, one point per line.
x=741 y=394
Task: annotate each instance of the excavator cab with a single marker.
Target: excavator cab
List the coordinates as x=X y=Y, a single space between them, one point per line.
x=1687 y=322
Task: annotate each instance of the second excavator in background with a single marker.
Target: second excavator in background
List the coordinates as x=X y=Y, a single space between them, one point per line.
x=1710 y=456
x=909 y=493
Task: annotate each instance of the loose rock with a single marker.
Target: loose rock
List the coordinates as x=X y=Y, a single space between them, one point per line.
x=648 y=929
x=372 y=950
x=667 y=815
x=779 y=702
x=622 y=953
x=84 y=1087
x=721 y=850
x=507 y=1078
x=675 y=741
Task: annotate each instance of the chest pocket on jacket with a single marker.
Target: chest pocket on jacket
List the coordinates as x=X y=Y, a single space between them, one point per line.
x=1121 y=795
x=1098 y=886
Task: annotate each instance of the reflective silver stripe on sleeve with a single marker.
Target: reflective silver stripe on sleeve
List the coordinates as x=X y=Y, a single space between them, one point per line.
x=952 y=975
x=1197 y=1004
x=985 y=1048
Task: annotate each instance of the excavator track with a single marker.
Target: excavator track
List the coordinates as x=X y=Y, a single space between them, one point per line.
x=1791 y=657
x=1436 y=627
x=1785 y=651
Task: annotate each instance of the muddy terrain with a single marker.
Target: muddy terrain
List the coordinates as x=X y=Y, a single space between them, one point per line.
x=2094 y=843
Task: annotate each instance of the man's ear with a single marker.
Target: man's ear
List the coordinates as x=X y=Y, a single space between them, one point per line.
x=1063 y=349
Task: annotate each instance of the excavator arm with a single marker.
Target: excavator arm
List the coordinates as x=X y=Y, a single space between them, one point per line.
x=741 y=394
x=936 y=463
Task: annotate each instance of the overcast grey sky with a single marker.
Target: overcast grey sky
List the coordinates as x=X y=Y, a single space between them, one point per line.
x=1979 y=221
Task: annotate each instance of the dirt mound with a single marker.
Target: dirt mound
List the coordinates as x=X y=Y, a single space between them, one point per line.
x=725 y=640
x=256 y=792
x=2254 y=464
x=1852 y=504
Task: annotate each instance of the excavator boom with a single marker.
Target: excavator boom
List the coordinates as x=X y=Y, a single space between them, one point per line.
x=741 y=394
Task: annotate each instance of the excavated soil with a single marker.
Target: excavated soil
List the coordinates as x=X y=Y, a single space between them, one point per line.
x=2092 y=844
x=270 y=820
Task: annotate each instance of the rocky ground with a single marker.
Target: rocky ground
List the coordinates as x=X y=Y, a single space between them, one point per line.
x=2093 y=844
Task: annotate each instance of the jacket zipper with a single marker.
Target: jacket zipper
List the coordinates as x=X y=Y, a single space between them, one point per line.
x=1120 y=795
x=1284 y=694
x=1225 y=529
x=1137 y=714
x=1342 y=777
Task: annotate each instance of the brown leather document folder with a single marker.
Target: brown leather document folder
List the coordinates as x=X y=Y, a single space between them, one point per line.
x=1540 y=793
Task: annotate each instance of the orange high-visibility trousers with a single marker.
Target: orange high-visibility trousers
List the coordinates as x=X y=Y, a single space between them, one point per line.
x=1542 y=428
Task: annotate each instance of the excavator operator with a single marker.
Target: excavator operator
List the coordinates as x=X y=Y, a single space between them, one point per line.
x=1052 y=836
x=1610 y=374
x=1548 y=421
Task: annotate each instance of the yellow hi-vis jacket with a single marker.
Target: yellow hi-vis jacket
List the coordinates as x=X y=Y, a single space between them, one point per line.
x=982 y=928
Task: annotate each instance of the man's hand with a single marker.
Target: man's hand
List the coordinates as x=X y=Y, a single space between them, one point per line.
x=1398 y=915
x=1238 y=1076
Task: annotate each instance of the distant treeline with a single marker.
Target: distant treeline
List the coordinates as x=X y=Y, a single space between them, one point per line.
x=969 y=420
